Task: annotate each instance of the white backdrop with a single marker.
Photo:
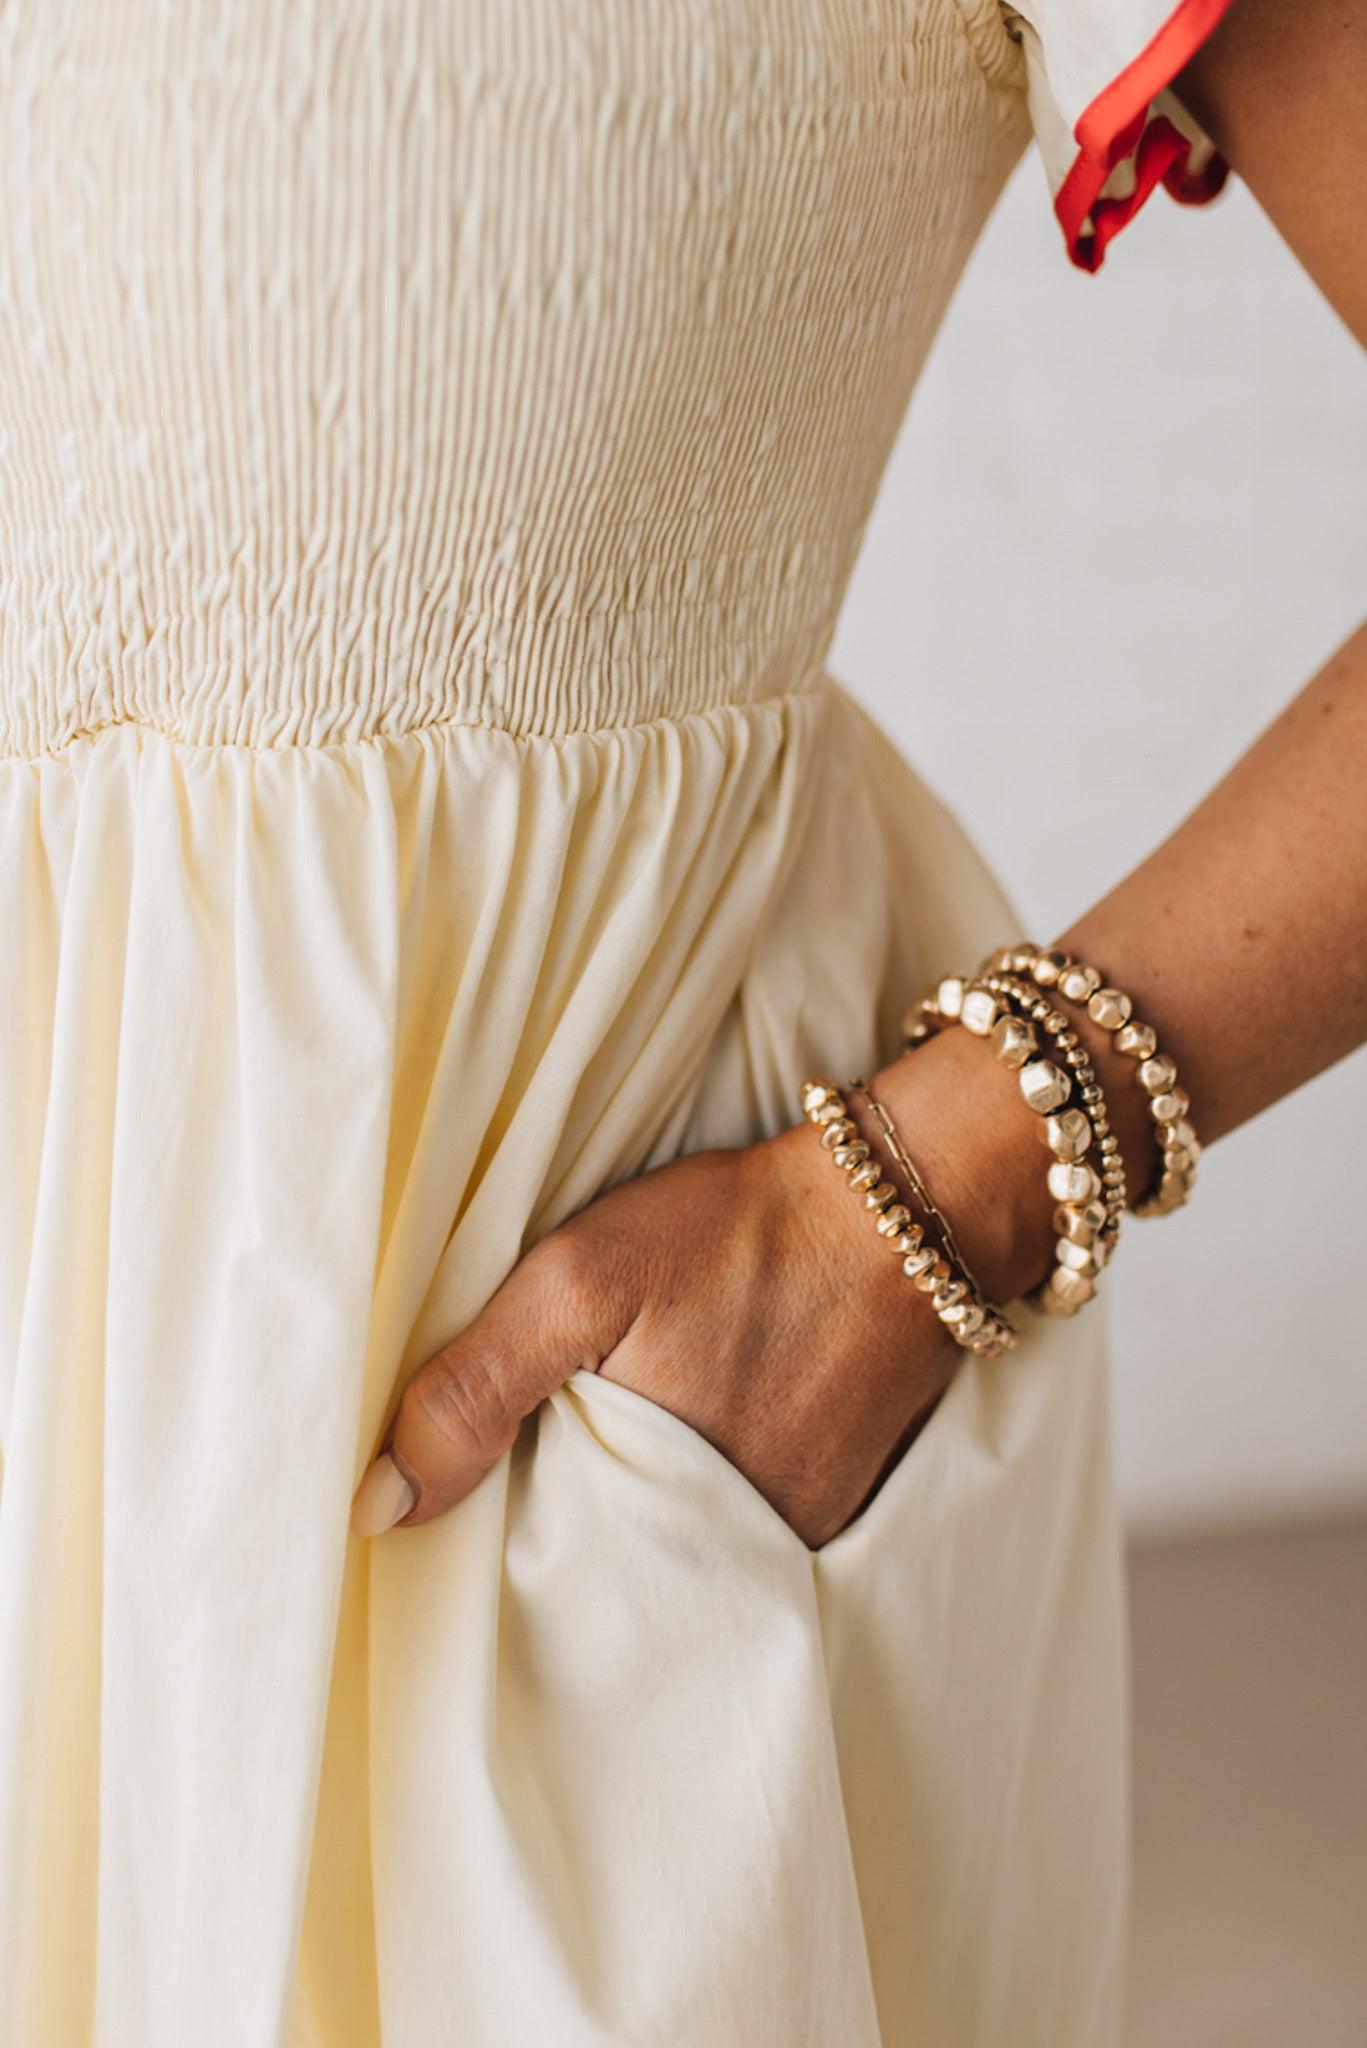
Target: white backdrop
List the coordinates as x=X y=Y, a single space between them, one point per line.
x=1145 y=492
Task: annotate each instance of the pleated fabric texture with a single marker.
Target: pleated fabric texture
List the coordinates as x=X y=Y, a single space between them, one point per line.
x=427 y=503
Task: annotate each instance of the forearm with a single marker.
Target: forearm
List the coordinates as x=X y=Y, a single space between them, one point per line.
x=1242 y=939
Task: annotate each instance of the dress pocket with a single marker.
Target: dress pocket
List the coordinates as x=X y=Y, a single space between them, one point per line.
x=657 y=1444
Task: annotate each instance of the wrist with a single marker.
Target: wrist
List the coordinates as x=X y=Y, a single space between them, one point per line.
x=972 y=1139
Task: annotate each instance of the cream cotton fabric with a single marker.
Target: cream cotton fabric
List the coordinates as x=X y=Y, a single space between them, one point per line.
x=434 y=440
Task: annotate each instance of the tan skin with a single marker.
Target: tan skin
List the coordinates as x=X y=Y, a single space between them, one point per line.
x=706 y=1285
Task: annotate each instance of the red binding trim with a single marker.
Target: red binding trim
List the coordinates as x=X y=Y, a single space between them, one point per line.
x=1116 y=124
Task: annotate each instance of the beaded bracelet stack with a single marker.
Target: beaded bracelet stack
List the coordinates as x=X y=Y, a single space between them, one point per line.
x=1009 y=999
x=936 y=1267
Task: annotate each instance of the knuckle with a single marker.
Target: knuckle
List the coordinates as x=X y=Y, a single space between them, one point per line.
x=462 y=1404
x=569 y=1269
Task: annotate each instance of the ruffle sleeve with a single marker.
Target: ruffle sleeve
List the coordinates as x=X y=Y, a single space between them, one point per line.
x=1108 y=127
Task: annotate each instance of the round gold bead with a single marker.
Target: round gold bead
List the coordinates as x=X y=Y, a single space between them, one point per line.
x=1109 y=1007
x=1048 y=967
x=949 y=996
x=1076 y=1183
x=842 y=1132
x=1171 y=1107
x=999 y=960
x=1078 y=983
x=815 y=1095
x=1013 y=1041
x=1156 y=1074
x=1044 y=1086
x=979 y=1011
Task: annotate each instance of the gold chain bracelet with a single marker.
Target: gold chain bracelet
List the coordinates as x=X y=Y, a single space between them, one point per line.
x=937 y=1269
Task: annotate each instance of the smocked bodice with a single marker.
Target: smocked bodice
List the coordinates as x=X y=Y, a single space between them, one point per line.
x=530 y=366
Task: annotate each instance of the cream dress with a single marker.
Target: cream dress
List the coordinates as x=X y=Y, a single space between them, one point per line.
x=434 y=440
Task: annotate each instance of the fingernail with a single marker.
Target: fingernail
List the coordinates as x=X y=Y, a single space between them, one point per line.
x=383 y=1498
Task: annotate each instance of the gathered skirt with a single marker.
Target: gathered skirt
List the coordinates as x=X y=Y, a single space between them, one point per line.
x=300 y=1049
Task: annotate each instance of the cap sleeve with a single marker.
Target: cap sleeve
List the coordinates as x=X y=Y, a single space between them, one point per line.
x=1108 y=128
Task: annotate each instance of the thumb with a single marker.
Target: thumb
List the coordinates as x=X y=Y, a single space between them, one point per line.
x=563 y=1307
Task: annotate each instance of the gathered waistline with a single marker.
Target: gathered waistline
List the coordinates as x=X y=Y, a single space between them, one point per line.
x=819 y=683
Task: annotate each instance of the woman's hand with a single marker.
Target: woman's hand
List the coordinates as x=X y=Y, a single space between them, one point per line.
x=746 y=1291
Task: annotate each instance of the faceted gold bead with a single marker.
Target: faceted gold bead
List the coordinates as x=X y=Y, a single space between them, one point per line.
x=949 y=995
x=920 y=1261
x=841 y=1132
x=1180 y=1132
x=979 y=1011
x=948 y=1295
x=912 y=1020
x=999 y=961
x=1068 y=1134
x=1049 y=1304
x=1014 y=1041
x=1078 y=983
x=973 y=1317
x=1080 y=1221
x=879 y=1197
x=830 y=1111
x=1048 y=967
x=817 y=1093
x=850 y=1156
x=1109 y=1007
x=1044 y=1086
x=931 y=1276
x=909 y=1240
x=1077 y=1183
x=1072 y=1289
x=1168 y=1108
x=1173 y=1188
x=893 y=1221
x=865 y=1177
x=1156 y=1074
x=1078 y=1258
x=1138 y=1040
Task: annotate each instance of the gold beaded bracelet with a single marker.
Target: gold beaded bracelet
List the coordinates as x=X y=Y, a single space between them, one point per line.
x=1089 y=1199
x=1112 y=1009
x=935 y=1269
x=1075 y=982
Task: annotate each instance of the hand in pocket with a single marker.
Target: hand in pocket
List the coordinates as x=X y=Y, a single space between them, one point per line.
x=742 y=1290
